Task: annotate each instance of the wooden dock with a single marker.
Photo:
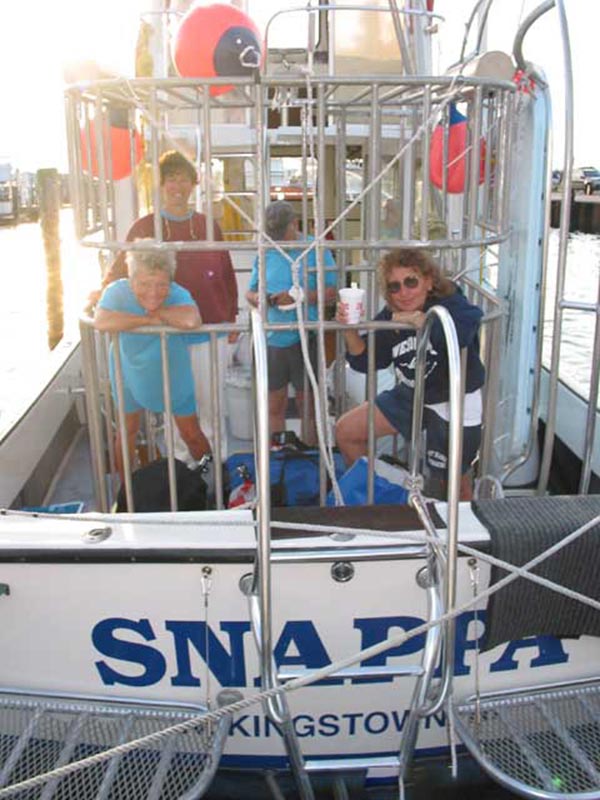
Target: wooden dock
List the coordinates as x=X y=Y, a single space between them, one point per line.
x=585 y=212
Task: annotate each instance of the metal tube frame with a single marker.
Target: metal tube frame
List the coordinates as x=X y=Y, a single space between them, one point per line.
x=94 y=420
x=454 y=469
x=261 y=596
x=565 y=216
x=168 y=420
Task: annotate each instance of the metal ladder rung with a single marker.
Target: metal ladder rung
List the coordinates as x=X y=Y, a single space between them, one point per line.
x=327 y=554
x=538 y=741
x=410 y=670
x=351 y=763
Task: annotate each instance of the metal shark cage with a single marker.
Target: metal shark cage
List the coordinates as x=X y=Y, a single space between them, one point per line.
x=380 y=125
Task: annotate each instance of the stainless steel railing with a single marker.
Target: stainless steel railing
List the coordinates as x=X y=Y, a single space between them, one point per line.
x=565 y=216
x=439 y=578
x=104 y=419
x=454 y=467
x=260 y=596
x=441 y=564
x=104 y=415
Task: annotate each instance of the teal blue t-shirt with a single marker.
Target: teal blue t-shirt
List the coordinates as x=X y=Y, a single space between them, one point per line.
x=141 y=358
x=278 y=273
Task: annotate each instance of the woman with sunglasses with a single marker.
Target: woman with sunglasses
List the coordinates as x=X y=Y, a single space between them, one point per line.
x=411 y=282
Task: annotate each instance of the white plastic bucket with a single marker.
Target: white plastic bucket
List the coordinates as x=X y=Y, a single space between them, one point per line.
x=238 y=401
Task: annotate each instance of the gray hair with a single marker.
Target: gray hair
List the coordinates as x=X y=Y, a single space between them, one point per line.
x=150 y=261
x=278 y=216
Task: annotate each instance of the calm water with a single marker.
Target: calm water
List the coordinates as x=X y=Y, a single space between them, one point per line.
x=581 y=284
x=25 y=355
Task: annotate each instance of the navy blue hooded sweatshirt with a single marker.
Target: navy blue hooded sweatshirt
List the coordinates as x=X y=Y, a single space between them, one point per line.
x=400 y=346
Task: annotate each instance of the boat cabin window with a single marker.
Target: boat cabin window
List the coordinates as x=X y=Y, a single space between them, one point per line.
x=288 y=180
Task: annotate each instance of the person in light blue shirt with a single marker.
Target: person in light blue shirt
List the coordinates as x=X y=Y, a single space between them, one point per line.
x=149 y=297
x=284 y=352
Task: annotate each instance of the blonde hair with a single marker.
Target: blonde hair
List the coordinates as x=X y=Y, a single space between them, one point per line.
x=420 y=260
x=150 y=261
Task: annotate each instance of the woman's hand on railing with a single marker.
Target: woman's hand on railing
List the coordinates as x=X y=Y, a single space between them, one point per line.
x=185 y=317
x=414 y=318
x=92 y=301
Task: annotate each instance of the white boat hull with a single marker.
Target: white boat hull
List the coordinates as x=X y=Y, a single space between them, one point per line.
x=30 y=432
x=126 y=618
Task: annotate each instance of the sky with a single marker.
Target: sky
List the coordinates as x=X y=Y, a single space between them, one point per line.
x=542 y=46
x=41 y=37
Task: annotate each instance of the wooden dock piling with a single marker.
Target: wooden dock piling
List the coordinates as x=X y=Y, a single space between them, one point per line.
x=49 y=197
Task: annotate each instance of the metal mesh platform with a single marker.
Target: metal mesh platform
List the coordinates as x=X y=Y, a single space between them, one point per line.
x=40 y=734
x=539 y=744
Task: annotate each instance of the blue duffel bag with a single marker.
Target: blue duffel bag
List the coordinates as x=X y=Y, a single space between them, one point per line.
x=295 y=477
x=388 y=484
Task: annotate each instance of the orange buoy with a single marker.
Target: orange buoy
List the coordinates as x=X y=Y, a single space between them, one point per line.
x=457 y=143
x=217 y=40
x=120 y=150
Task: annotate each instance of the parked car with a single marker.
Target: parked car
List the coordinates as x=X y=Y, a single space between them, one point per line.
x=585 y=179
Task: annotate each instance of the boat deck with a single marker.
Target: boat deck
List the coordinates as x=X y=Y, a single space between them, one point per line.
x=74 y=483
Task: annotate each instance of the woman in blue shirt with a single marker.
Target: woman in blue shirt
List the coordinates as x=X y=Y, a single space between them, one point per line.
x=411 y=282
x=149 y=297
x=284 y=351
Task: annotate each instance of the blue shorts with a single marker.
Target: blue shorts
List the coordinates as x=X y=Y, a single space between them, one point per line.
x=396 y=406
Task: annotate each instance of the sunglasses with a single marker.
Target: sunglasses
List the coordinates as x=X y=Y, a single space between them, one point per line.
x=411 y=282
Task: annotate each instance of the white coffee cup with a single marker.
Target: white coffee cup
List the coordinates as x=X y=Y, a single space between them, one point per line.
x=353 y=303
